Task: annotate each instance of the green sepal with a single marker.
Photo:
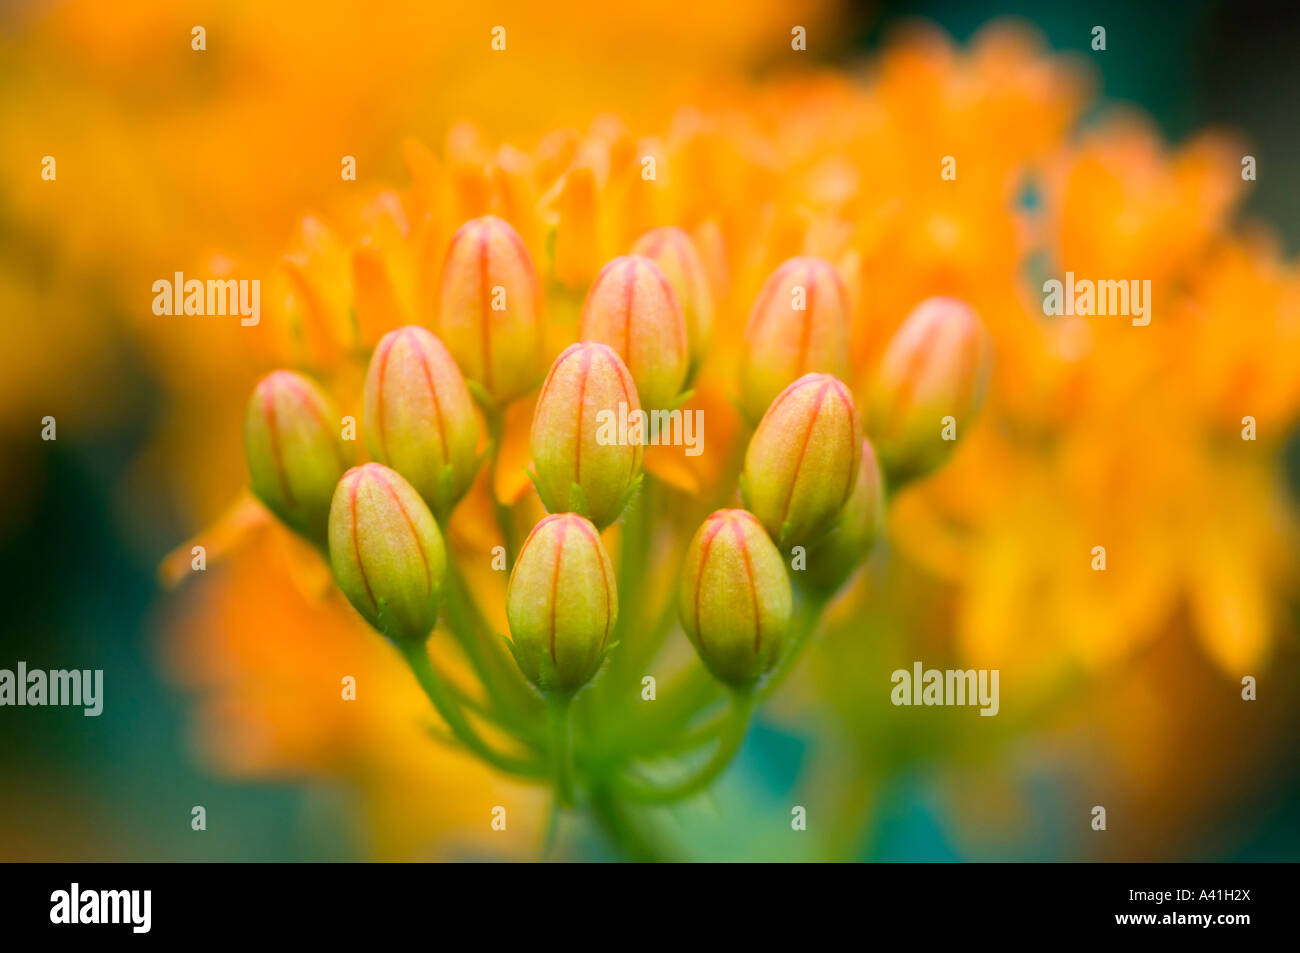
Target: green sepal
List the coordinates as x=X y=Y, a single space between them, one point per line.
x=480 y=394
x=783 y=541
x=445 y=477
x=625 y=499
x=681 y=399
x=578 y=501
x=510 y=647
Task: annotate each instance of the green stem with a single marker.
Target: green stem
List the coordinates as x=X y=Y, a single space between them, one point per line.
x=560 y=730
x=688 y=695
x=512 y=699
x=806 y=621
x=417 y=657
x=626 y=836
x=496 y=424
x=632 y=558
x=742 y=705
x=613 y=690
x=706 y=732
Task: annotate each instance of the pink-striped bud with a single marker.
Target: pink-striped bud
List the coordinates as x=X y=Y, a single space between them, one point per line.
x=673 y=251
x=802 y=462
x=632 y=308
x=387 y=552
x=735 y=597
x=799 y=324
x=419 y=416
x=295 y=451
x=831 y=561
x=930 y=384
x=489 y=312
x=561 y=603
x=580 y=464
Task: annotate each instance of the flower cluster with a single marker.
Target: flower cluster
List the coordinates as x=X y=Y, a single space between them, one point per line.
x=779 y=215
x=812 y=487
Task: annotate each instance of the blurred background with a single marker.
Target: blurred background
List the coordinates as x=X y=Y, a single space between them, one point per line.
x=1123 y=691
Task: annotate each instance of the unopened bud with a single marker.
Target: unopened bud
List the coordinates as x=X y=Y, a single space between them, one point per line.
x=799 y=324
x=294 y=447
x=673 y=251
x=582 y=462
x=561 y=603
x=802 y=461
x=632 y=308
x=832 y=560
x=930 y=385
x=735 y=597
x=419 y=416
x=489 y=312
x=387 y=552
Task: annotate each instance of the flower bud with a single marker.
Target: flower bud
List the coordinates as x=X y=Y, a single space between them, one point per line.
x=419 y=416
x=735 y=597
x=632 y=308
x=935 y=367
x=387 y=552
x=490 y=309
x=577 y=439
x=832 y=560
x=561 y=603
x=799 y=323
x=673 y=251
x=294 y=447
x=802 y=461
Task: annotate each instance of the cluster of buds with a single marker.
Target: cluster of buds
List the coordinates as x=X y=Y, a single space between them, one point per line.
x=813 y=481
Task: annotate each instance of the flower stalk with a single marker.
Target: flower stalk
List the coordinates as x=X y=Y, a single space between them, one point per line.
x=559 y=706
x=730 y=739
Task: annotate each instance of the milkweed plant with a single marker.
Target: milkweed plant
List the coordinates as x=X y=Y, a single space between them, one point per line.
x=560 y=699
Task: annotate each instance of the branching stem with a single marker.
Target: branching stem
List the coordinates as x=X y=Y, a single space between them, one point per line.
x=729 y=741
x=417 y=657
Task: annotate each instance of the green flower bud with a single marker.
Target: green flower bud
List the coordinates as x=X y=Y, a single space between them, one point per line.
x=575 y=436
x=561 y=603
x=673 y=251
x=799 y=324
x=735 y=597
x=419 y=416
x=387 y=552
x=295 y=451
x=802 y=462
x=929 y=387
x=832 y=560
x=632 y=308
